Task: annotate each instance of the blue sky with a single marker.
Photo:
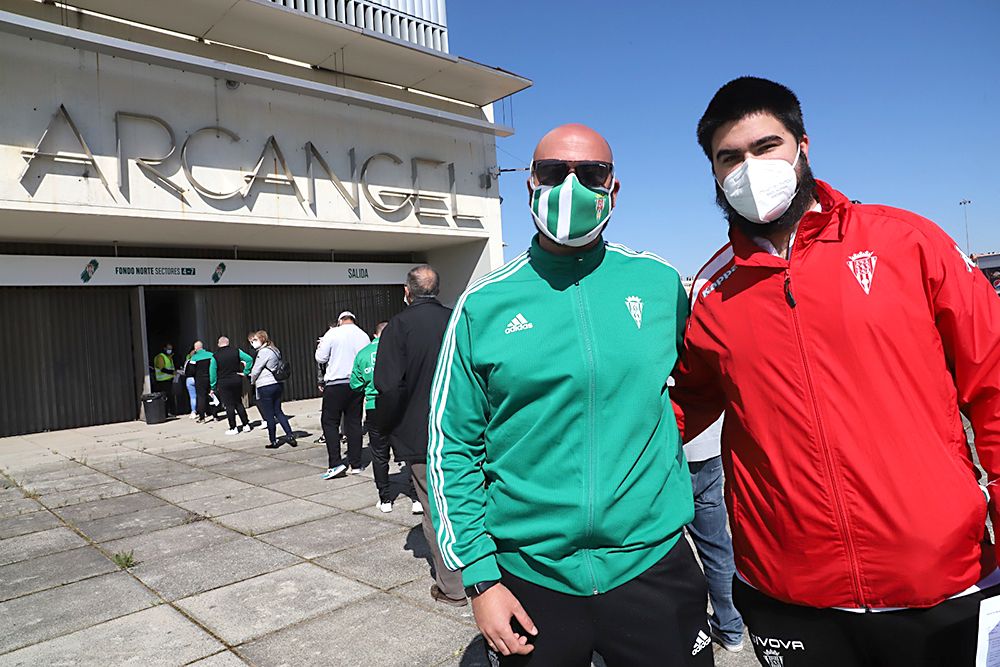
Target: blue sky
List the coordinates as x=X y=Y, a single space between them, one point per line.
x=901 y=102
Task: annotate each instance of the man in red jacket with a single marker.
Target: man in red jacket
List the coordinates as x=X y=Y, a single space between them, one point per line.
x=842 y=341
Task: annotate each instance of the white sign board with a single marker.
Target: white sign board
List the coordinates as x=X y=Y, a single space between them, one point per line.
x=36 y=270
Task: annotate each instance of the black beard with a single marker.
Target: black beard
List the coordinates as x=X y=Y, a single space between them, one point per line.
x=801 y=202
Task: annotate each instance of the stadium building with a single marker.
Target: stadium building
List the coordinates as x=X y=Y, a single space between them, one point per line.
x=173 y=170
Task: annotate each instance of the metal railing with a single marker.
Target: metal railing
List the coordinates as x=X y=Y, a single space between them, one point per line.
x=420 y=22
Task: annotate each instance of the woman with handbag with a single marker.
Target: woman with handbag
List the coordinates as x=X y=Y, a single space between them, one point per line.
x=269 y=388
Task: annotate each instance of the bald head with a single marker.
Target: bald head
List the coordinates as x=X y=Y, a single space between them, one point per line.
x=573 y=142
x=223 y=341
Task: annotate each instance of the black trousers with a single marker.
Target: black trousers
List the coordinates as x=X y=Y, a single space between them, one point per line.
x=657 y=619
x=201 y=388
x=165 y=387
x=230 y=390
x=339 y=400
x=379 y=446
x=791 y=635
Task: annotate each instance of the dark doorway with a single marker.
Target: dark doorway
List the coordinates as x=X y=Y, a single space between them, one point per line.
x=171 y=317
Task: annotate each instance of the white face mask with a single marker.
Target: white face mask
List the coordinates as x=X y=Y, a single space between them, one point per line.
x=255 y=344
x=761 y=190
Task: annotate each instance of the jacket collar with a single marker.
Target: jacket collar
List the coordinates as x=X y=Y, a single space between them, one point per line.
x=423 y=300
x=576 y=265
x=822 y=226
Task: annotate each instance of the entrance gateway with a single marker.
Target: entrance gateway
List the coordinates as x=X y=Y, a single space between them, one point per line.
x=87 y=328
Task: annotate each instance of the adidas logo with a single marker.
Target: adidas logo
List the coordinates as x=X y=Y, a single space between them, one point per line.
x=701 y=642
x=518 y=324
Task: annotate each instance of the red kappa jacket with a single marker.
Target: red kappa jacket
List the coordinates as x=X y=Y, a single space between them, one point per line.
x=841 y=373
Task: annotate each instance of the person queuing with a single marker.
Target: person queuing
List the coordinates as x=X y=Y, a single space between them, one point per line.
x=188 y=372
x=361 y=381
x=163 y=375
x=269 y=389
x=403 y=374
x=558 y=482
x=843 y=342
x=226 y=372
x=200 y=363
x=337 y=349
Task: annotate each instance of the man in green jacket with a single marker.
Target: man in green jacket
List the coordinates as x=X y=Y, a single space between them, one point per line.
x=361 y=381
x=559 y=485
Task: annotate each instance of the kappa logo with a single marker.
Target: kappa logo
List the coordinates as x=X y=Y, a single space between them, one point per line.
x=518 y=324
x=634 y=305
x=862 y=265
x=718 y=281
x=701 y=642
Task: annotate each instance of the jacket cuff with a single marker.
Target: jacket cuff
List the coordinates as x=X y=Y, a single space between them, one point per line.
x=484 y=569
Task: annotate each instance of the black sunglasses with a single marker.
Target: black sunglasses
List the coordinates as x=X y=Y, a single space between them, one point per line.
x=591 y=173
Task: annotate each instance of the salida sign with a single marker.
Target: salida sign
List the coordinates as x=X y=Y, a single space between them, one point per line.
x=424 y=203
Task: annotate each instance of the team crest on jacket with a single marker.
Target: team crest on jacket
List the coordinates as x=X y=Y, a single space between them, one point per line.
x=862 y=265
x=774 y=659
x=634 y=304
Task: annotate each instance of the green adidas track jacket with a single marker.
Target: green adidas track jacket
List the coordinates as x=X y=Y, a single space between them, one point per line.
x=553 y=450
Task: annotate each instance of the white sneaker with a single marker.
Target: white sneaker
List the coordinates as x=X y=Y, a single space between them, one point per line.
x=246 y=428
x=334 y=472
x=417 y=507
x=232 y=431
x=355 y=471
x=385 y=508
x=193 y=415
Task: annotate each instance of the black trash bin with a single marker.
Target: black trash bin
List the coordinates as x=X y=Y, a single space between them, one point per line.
x=154 y=406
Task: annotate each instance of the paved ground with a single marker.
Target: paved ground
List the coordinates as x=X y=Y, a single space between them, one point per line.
x=240 y=555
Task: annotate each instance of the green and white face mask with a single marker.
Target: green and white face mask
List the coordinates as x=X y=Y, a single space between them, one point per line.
x=570 y=213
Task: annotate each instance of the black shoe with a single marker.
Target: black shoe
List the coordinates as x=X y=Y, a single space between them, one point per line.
x=292 y=441
x=272 y=445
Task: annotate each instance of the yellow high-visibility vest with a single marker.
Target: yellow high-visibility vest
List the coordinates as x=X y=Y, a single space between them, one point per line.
x=162 y=362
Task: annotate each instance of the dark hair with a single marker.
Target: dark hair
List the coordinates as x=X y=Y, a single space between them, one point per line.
x=423 y=280
x=744 y=97
x=379 y=327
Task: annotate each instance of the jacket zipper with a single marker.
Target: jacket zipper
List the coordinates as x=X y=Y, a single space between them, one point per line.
x=591 y=401
x=827 y=454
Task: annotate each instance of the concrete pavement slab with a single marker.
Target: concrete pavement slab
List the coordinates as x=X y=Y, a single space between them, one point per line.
x=87 y=494
x=235 y=501
x=193 y=572
x=349 y=498
x=26 y=547
x=385 y=562
x=100 y=509
x=89 y=478
x=24 y=524
x=14 y=503
x=44 y=572
x=134 y=523
x=300 y=487
x=277 y=471
x=327 y=535
x=64 y=469
x=208 y=461
x=168 y=542
x=157 y=636
x=394 y=634
x=194 y=450
x=272 y=517
x=207 y=487
x=255 y=607
x=58 y=611
x=224 y=659
x=169 y=479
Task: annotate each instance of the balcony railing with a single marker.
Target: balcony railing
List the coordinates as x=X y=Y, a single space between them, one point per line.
x=420 y=22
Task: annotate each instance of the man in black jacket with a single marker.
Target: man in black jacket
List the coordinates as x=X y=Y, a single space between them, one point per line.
x=404 y=370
